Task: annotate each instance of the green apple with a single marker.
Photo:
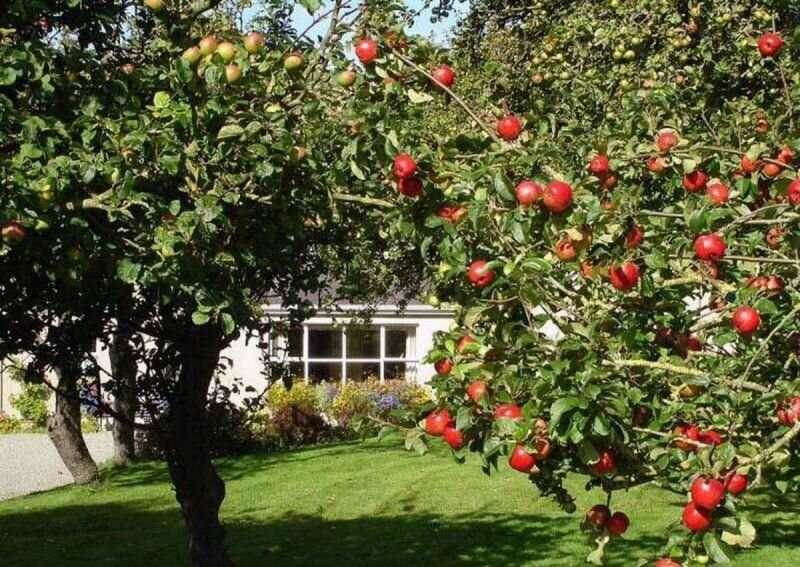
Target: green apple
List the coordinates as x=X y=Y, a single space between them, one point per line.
x=155 y=5
x=208 y=45
x=227 y=51
x=233 y=73
x=293 y=62
x=346 y=78
x=192 y=55
x=253 y=42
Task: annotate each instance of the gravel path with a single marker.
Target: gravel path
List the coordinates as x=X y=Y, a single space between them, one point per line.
x=30 y=463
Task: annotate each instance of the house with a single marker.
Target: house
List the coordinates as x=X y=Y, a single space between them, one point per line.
x=337 y=345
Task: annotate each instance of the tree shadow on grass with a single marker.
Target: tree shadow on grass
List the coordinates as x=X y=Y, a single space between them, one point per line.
x=132 y=534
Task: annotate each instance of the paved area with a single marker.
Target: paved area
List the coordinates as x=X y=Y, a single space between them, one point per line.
x=30 y=463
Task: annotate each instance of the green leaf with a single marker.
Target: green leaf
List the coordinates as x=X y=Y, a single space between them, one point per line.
x=200 y=318
x=311 y=5
x=161 y=100
x=418 y=97
x=228 y=324
x=464 y=418
x=128 y=271
x=714 y=548
x=564 y=405
x=357 y=171
x=8 y=76
x=230 y=131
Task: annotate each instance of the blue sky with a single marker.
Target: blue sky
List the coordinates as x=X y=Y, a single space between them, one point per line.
x=438 y=32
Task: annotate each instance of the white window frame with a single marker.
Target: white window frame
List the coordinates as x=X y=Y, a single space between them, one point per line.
x=382 y=359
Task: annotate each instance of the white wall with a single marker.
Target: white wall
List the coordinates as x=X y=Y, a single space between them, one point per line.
x=245 y=358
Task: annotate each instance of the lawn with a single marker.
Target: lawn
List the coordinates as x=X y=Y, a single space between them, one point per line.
x=351 y=504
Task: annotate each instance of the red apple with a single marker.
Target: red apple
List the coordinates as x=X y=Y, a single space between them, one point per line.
x=794 y=192
x=656 y=165
x=367 y=50
x=410 y=186
x=508 y=411
x=748 y=165
x=770 y=44
x=444 y=75
x=12 y=233
x=609 y=180
x=667 y=562
x=463 y=342
x=736 y=483
x=479 y=275
x=528 y=192
x=707 y=492
x=718 y=193
x=452 y=213
x=509 y=127
x=437 y=421
x=690 y=432
x=624 y=277
x=404 y=166
x=789 y=411
x=666 y=140
x=520 y=460
x=606 y=463
x=746 y=320
x=786 y=155
x=453 y=437
x=696 y=519
x=557 y=196
x=772 y=169
x=618 y=523
x=598 y=165
x=598 y=515
x=634 y=237
x=565 y=250
x=477 y=390
x=443 y=366
x=695 y=181
x=709 y=247
x=710 y=437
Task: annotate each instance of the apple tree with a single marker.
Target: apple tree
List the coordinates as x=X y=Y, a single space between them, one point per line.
x=166 y=174
x=614 y=213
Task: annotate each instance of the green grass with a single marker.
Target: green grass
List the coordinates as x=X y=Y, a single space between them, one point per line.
x=352 y=504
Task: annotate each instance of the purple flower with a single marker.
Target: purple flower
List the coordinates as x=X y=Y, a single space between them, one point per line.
x=388 y=402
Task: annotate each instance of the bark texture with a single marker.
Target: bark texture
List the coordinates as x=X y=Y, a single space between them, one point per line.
x=124 y=368
x=198 y=488
x=64 y=427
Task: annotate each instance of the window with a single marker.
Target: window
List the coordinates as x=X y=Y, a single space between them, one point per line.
x=326 y=353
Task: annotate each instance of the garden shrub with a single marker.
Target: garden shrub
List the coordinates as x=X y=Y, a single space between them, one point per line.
x=31 y=403
x=9 y=424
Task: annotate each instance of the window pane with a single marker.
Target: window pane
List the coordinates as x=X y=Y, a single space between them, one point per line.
x=398 y=371
x=295 y=341
x=324 y=343
x=363 y=343
x=296 y=370
x=324 y=372
x=362 y=370
x=396 y=343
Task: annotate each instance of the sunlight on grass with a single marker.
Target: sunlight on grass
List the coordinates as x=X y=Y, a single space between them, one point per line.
x=353 y=504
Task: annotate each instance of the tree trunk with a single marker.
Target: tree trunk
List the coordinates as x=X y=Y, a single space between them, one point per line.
x=64 y=427
x=123 y=369
x=198 y=488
